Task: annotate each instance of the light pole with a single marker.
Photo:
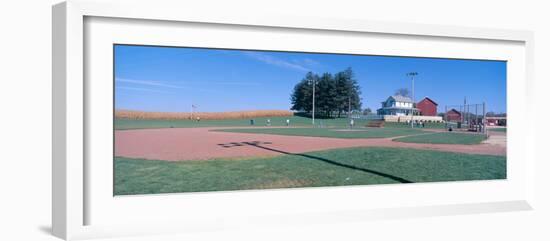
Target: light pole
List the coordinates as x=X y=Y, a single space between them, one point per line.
x=313 y=83
x=349 y=106
x=193 y=109
x=412 y=75
x=349 y=112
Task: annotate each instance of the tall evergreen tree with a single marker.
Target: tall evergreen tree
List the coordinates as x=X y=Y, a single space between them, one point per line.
x=348 y=92
x=354 y=90
x=301 y=97
x=333 y=93
x=341 y=92
x=325 y=95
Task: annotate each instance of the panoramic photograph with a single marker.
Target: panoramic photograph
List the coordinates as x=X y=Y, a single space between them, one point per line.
x=200 y=119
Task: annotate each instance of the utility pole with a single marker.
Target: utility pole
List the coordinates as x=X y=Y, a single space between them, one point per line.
x=349 y=106
x=193 y=109
x=464 y=111
x=412 y=75
x=445 y=117
x=313 y=84
x=485 y=121
x=349 y=112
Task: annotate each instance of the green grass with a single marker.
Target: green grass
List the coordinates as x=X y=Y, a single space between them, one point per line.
x=445 y=138
x=427 y=125
x=498 y=129
x=124 y=124
x=339 y=167
x=299 y=121
x=331 y=132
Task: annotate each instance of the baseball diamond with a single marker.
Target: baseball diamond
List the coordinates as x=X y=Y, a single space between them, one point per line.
x=199 y=119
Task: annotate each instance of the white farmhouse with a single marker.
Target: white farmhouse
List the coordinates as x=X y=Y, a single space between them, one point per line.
x=397 y=105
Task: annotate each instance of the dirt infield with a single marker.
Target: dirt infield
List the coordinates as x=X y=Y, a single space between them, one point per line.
x=179 y=144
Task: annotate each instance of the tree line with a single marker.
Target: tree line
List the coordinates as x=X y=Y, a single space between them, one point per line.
x=334 y=94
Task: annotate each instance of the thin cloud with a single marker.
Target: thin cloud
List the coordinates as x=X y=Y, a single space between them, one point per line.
x=235 y=83
x=166 y=85
x=154 y=83
x=306 y=62
x=148 y=82
x=268 y=59
x=141 y=89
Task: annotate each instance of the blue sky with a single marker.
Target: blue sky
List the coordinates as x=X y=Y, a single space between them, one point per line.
x=151 y=78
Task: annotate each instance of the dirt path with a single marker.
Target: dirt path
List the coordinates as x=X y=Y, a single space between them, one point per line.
x=496 y=138
x=178 y=144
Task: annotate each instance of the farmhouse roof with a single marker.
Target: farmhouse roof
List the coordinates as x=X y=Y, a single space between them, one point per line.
x=398 y=108
x=401 y=98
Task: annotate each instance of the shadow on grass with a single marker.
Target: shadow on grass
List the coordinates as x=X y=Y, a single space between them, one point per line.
x=258 y=145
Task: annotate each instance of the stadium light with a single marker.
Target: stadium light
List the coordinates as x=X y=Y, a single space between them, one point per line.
x=313 y=83
x=412 y=75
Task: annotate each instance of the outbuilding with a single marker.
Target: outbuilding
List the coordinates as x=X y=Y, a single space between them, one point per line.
x=453 y=115
x=427 y=107
x=496 y=121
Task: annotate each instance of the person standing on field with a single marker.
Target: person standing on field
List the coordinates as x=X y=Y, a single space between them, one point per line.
x=287 y=122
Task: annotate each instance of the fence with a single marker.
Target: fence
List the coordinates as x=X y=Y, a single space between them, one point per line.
x=466 y=116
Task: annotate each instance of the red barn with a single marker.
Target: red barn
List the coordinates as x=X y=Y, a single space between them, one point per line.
x=427 y=107
x=454 y=115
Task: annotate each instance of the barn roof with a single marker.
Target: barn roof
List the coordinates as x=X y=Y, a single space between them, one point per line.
x=454 y=110
x=427 y=98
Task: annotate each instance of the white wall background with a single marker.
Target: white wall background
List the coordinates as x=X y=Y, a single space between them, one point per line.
x=25 y=133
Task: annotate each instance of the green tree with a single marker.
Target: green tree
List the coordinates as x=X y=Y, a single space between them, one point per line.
x=325 y=95
x=403 y=92
x=348 y=92
x=367 y=111
x=353 y=91
x=333 y=93
x=342 y=92
x=301 y=97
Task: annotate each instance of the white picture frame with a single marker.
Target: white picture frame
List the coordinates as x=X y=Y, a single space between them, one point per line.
x=73 y=187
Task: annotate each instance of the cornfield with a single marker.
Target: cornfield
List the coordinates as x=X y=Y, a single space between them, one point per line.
x=143 y=115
